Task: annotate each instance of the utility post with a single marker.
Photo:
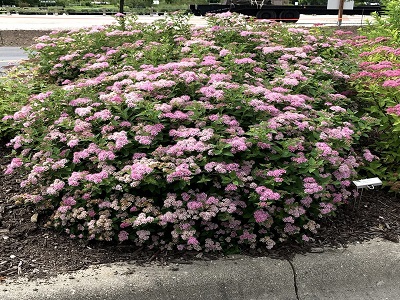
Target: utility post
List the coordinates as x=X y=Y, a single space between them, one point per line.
x=121 y=6
x=340 y=13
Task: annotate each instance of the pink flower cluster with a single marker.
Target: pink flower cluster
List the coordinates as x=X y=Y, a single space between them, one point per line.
x=311 y=186
x=395 y=110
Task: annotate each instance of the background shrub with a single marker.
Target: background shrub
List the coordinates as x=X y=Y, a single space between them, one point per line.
x=386 y=24
x=377 y=84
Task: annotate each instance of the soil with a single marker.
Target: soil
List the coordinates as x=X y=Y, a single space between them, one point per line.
x=29 y=249
x=20 y=38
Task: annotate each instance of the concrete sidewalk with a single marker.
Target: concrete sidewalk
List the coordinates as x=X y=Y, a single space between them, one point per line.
x=365 y=271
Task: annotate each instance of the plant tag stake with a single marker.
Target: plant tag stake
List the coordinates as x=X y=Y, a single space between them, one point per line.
x=369 y=183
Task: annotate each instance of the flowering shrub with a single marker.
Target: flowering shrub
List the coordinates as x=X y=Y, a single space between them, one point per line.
x=194 y=138
x=378 y=85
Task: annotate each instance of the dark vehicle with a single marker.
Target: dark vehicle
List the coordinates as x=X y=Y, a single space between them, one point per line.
x=279 y=10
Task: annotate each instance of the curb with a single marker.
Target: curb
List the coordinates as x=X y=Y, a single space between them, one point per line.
x=365 y=271
x=236 y=278
x=362 y=271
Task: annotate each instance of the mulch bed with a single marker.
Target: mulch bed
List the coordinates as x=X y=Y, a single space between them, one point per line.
x=31 y=250
x=20 y=38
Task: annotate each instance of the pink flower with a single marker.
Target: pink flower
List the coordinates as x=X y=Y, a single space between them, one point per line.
x=337 y=109
x=209 y=61
x=260 y=216
x=326 y=208
x=63 y=209
x=69 y=201
x=230 y=187
x=81 y=126
x=192 y=241
x=337 y=133
x=297 y=211
x=15 y=163
x=223 y=52
x=55 y=187
x=368 y=155
x=68 y=57
x=391 y=83
x=72 y=143
x=39 y=46
x=290 y=228
x=300 y=158
x=144 y=139
x=97 y=177
x=178 y=115
x=344 y=172
x=104 y=115
x=211 y=92
x=138 y=170
x=267 y=50
x=395 y=110
x=141 y=220
x=267 y=194
x=83 y=111
x=106 y=155
x=97 y=65
x=326 y=149
x=123 y=236
x=78 y=156
x=276 y=173
x=120 y=138
x=193 y=205
x=181 y=172
x=154 y=129
x=75 y=177
x=311 y=186
x=59 y=164
x=238 y=144
x=245 y=60
x=251 y=237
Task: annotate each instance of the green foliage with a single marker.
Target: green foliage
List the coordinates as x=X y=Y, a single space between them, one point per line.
x=386 y=24
x=15 y=90
x=139 y=3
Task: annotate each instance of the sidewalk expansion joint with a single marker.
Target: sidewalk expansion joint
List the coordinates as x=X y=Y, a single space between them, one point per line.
x=296 y=289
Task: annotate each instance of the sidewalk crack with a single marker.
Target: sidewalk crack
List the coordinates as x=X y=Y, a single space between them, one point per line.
x=296 y=289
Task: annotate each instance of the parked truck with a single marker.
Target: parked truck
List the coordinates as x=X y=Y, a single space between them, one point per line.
x=280 y=10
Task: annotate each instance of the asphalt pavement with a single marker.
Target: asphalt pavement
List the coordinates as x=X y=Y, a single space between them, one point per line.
x=11 y=56
x=368 y=271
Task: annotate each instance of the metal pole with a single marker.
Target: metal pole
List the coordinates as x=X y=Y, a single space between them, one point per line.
x=121 y=6
x=340 y=13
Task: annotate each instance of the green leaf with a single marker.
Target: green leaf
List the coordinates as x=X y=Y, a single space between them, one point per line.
x=204 y=179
